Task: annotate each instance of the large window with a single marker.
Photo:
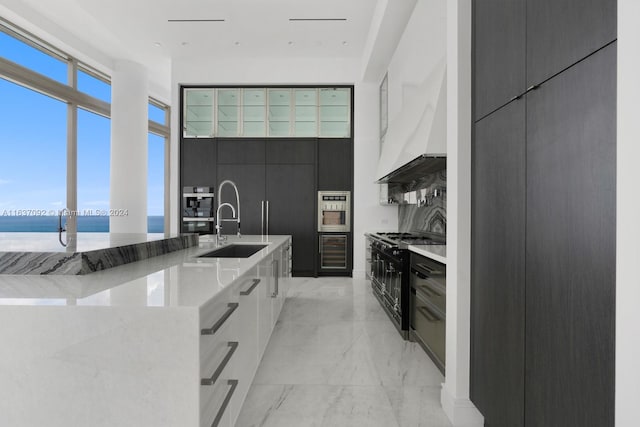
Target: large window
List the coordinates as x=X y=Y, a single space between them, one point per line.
x=94 y=145
x=55 y=142
x=155 y=184
x=33 y=164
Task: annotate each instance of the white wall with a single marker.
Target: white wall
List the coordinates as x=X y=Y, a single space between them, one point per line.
x=368 y=215
x=455 y=391
x=628 y=218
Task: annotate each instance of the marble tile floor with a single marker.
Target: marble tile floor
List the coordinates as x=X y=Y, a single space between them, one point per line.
x=335 y=360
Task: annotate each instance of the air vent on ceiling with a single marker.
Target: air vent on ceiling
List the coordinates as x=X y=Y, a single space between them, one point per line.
x=316 y=19
x=195 y=20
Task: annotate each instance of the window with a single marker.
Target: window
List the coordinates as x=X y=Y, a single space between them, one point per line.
x=31 y=55
x=155 y=184
x=94 y=146
x=33 y=165
x=40 y=121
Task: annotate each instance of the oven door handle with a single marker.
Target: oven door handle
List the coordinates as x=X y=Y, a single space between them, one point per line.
x=427 y=314
x=420 y=275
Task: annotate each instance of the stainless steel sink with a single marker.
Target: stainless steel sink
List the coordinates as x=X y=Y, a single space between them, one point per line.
x=234 y=251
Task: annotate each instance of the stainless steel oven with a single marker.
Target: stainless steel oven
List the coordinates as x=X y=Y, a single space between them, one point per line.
x=334 y=211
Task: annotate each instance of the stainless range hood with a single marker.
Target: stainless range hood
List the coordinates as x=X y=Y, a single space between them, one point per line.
x=417 y=168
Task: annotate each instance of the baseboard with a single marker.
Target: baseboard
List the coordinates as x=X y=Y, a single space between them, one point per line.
x=461 y=412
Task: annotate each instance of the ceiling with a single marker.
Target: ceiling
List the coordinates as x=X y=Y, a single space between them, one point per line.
x=157 y=32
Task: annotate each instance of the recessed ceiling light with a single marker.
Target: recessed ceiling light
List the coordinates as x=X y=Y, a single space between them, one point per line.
x=290 y=43
x=344 y=43
x=237 y=43
x=157 y=44
x=184 y=43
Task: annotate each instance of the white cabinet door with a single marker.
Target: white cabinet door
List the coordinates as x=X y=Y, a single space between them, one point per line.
x=246 y=290
x=265 y=311
x=218 y=357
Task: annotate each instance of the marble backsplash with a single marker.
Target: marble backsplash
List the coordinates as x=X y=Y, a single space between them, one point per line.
x=424 y=204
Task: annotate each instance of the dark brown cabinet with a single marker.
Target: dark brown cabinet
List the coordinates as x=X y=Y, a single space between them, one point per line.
x=498 y=269
x=335 y=164
x=196 y=157
x=277 y=192
x=499 y=53
x=521 y=43
x=543 y=214
x=290 y=190
x=562 y=32
x=571 y=227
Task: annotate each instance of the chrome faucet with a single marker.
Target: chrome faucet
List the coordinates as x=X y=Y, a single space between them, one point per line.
x=218 y=225
x=61 y=227
x=236 y=218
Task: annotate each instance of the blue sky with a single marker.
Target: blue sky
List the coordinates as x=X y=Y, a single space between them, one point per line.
x=33 y=139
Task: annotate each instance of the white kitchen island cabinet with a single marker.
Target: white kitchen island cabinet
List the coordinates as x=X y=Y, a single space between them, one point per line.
x=174 y=340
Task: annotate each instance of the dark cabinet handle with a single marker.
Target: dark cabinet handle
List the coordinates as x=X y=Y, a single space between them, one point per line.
x=225 y=402
x=420 y=275
x=232 y=306
x=428 y=314
x=233 y=346
x=251 y=288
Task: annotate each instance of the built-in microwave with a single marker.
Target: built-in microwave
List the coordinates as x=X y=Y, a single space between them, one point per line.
x=334 y=211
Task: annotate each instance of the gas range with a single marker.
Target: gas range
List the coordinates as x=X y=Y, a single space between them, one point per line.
x=400 y=240
x=389 y=272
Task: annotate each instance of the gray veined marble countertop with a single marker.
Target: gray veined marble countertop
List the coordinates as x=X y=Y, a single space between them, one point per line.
x=174 y=280
x=42 y=253
x=435 y=252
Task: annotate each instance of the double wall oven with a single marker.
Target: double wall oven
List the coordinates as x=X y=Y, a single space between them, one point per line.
x=390 y=273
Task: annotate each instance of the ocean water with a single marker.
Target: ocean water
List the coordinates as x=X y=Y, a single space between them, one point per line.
x=43 y=224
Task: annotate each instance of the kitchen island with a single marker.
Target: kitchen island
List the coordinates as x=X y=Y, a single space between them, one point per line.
x=172 y=340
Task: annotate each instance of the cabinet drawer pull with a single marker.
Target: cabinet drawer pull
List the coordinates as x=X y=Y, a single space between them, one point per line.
x=233 y=346
x=428 y=315
x=212 y=330
x=253 y=286
x=225 y=402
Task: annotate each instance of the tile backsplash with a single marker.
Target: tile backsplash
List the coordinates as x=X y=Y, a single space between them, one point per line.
x=423 y=204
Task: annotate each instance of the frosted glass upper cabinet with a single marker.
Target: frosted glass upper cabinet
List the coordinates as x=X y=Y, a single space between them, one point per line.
x=198 y=113
x=335 y=112
x=253 y=112
x=306 y=112
x=279 y=112
x=228 y=112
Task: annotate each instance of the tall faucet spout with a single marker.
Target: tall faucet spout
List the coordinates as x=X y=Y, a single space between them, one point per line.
x=235 y=188
x=61 y=227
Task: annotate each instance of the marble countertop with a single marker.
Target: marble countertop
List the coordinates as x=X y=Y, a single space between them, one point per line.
x=435 y=252
x=85 y=253
x=176 y=279
x=80 y=242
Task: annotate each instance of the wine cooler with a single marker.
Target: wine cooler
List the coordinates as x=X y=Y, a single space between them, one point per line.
x=333 y=251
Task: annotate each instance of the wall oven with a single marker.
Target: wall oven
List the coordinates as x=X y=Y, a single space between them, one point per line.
x=334 y=211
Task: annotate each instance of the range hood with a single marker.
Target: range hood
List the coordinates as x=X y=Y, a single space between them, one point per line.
x=417 y=168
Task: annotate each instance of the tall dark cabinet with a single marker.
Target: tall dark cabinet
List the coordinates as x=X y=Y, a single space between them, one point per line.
x=570 y=280
x=543 y=213
x=498 y=248
x=276 y=183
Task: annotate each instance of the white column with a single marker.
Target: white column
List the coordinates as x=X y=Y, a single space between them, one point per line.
x=628 y=218
x=129 y=148
x=455 y=391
